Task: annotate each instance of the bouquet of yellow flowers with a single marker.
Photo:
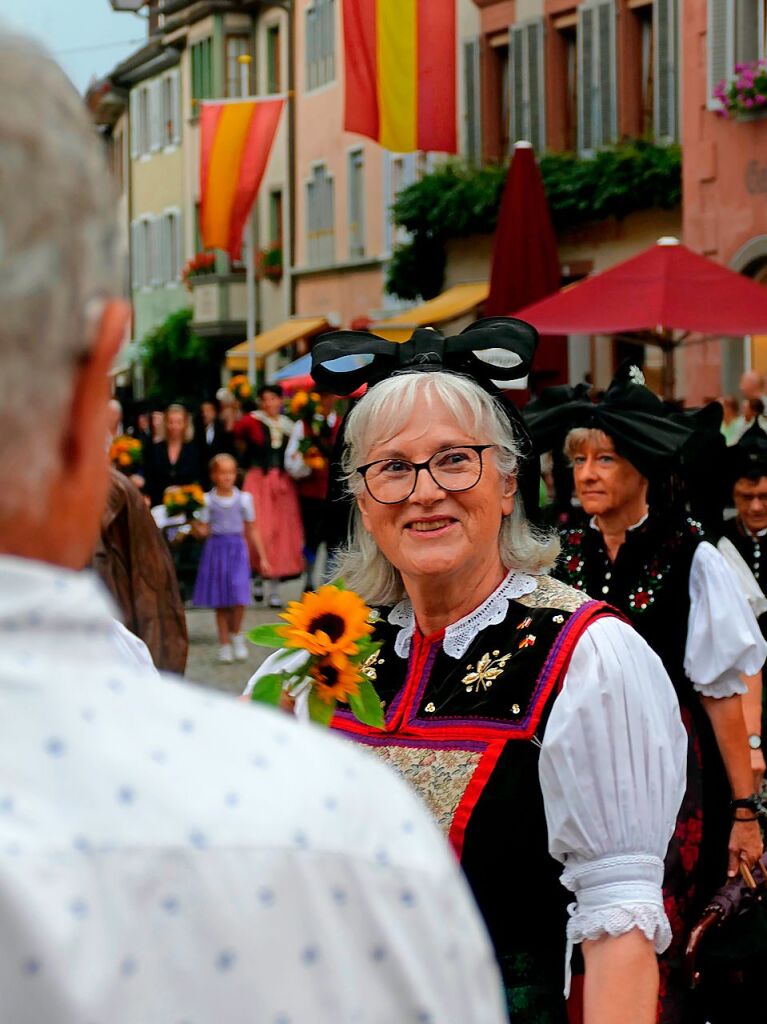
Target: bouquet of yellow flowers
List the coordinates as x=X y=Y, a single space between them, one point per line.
x=125 y=452
x=333 y=625
x=183 y=501
x=239 y=386
x=304 y=405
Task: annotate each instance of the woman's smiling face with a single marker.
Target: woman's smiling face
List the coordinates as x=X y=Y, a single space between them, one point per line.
x=436 y=532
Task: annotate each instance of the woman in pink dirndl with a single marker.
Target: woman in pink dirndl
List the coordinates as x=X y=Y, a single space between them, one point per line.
x=262 y=437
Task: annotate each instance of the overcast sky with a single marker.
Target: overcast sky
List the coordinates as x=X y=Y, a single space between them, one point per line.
x=86 y=36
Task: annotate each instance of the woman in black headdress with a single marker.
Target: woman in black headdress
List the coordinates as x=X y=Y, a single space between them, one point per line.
x=643 y=556
x=537 y=725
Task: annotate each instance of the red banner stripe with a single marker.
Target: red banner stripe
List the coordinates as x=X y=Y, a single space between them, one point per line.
x=436 y=83
x=361 y=67
x=258 y=147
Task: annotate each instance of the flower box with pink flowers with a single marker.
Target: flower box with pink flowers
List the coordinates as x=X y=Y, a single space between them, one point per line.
x=744 y=96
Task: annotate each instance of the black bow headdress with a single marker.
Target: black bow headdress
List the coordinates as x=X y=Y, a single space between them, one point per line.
x=629 y=413
x=748 y=458
x=495 y=352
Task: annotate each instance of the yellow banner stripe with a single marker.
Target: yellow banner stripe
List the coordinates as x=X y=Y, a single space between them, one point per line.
x=397 y=53
x=224 y=171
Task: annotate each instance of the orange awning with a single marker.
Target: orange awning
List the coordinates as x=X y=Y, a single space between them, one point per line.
x=276 y=337
x=451 y=304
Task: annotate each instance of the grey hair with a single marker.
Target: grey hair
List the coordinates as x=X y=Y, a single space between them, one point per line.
x=580 y=436
x=58 y=261
x=381 y=414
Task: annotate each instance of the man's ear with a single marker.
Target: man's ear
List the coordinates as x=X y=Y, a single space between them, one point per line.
x=88 y=411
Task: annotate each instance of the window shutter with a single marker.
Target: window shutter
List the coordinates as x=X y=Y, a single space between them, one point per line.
x=527 y=88
x=607 y=81
x=585 y=78
x=179 y=222
x=537 y=92
x=720 y=46
x=665 y=14
x=520 y=123
x=175 y=106
x=310 y=48
x=134 y=257
x=155 y=115
x=134 y=124
x=473 y=113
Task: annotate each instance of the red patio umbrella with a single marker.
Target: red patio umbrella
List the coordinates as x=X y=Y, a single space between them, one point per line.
x=664 y=289
x=525 y=264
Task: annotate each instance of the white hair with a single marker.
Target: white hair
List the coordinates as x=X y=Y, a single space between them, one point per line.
x=58 y=261
x=381 y=414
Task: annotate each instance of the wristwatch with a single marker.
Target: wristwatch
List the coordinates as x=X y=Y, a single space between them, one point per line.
x=755 y=741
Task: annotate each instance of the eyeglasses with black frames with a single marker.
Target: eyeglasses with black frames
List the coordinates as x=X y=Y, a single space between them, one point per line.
x=390 y=481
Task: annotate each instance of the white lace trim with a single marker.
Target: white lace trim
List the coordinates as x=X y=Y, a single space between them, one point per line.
x=574 y=873
x=649 y=918
x=459 y=635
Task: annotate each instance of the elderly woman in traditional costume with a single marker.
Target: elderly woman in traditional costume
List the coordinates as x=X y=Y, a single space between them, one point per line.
x=633 y=546
x=539 y=728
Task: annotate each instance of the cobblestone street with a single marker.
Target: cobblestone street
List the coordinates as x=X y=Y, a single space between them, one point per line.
x=203 y=665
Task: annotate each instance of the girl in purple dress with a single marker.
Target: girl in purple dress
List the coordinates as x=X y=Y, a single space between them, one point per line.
x=223 y=579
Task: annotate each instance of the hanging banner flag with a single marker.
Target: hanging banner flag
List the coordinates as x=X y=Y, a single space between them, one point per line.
x=400 y=58
x=235 y=142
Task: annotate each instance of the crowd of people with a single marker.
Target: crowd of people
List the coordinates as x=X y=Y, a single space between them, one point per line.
x=575 y=706
x=265 y=474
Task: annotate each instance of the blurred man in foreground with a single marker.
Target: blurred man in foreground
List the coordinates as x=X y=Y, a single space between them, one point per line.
x=165 y=854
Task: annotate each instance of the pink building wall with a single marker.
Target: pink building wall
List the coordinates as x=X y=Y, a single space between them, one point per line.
x=724 y=200
x=349 y=292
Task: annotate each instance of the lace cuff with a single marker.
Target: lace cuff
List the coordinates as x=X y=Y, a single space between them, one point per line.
x=615 y=895
x=728 y=684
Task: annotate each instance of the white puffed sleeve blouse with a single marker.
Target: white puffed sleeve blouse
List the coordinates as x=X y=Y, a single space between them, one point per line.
x=612 y=773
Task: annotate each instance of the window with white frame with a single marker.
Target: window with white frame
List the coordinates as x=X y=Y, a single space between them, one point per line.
x=155 y=112
x=527 y=108
x=597 y=108
x=400 y=170
x=320 y=218
x=238 y=80
x=356 y=176
x=665 y=49
x=736 y=34
x=320 y=42
x=157 y=249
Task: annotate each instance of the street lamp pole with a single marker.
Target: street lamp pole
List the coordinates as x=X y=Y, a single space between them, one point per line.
x=250 y=268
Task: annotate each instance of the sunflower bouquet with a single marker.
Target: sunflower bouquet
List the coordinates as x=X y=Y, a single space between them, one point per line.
x=125 y=453
x=304 y=405
x=239 y=386
x=183 y=501
x=333 y=626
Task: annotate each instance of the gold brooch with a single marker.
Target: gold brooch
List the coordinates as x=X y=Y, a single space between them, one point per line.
x=558 y=619
x=368 y=666
x=488 y=669
x=527 y=641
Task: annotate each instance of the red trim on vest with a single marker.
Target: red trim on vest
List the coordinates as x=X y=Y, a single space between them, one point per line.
x=474 y=790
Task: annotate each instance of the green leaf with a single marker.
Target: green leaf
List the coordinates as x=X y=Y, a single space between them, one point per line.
x=266 y=636
x=366 y=647
x=338 y=583
x=319 y=711
x=366 y=706
x=268 y=689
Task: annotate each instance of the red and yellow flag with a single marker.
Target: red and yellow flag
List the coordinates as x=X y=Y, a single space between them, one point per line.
x=400 y=58
x=235 y=142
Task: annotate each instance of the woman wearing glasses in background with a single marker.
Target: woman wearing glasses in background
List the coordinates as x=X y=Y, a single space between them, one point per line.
x=539 y=728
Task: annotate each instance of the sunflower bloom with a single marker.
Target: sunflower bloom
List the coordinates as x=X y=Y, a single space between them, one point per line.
x=335 y=678
x=326 y=622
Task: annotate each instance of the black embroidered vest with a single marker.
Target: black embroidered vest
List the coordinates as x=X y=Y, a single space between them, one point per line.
x=466 y=733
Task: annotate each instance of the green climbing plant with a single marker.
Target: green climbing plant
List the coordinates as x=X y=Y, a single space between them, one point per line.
x=457 y=200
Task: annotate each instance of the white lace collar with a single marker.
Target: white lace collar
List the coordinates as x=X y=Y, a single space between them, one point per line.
x=459 y=635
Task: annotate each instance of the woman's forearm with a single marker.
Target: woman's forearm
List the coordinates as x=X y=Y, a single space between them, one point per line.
x=726 y=716
x=621 y=982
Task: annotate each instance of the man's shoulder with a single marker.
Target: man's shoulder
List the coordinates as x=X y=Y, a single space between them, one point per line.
x=552 y=593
